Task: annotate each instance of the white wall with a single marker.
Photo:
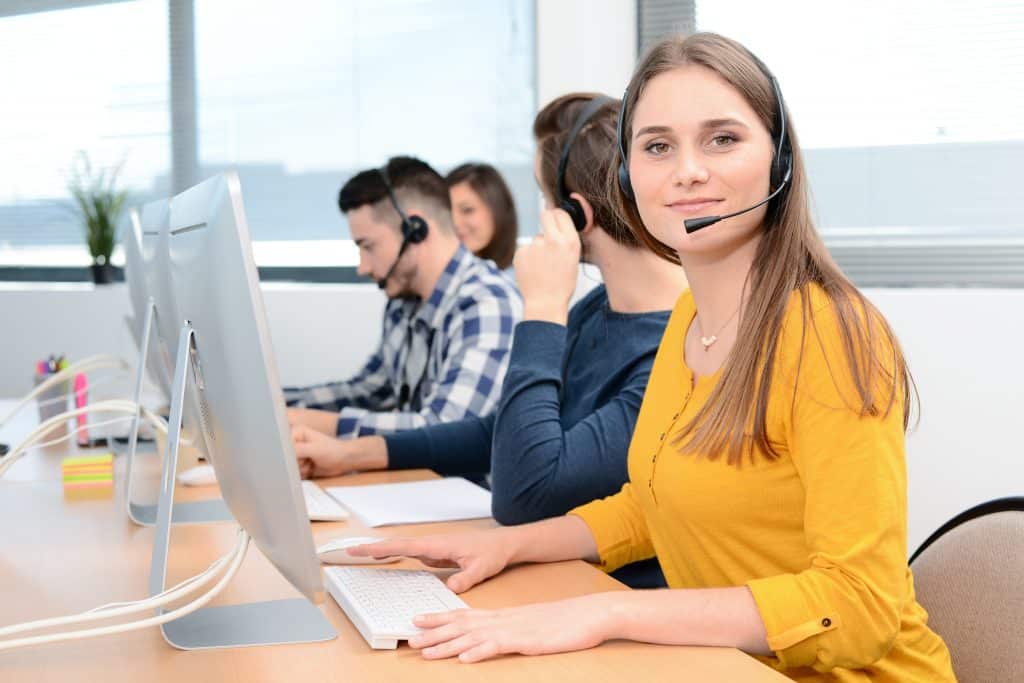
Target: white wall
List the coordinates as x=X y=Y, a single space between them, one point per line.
x=584 y=45
x=318 y=331
x=965 y=348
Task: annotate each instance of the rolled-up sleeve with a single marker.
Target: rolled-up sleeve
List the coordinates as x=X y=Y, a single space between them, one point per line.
x=619 y=528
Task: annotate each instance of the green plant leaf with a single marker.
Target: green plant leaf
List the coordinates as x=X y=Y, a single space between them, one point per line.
x=98 y=204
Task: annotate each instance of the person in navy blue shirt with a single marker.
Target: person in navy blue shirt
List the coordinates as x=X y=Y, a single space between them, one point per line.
x=576 y=378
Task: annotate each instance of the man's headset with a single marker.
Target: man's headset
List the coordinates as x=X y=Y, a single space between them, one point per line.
x=414 y=228
x=782 y=159
x=565 y=202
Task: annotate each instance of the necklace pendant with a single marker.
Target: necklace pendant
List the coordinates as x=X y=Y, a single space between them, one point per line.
x=708 y=341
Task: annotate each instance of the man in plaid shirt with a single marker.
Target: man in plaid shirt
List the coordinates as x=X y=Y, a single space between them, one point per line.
x=447 y=329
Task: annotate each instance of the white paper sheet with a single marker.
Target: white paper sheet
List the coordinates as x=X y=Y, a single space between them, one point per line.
x=415 y=502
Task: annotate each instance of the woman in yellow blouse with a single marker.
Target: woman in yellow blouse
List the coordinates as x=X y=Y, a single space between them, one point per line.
x=767 y=466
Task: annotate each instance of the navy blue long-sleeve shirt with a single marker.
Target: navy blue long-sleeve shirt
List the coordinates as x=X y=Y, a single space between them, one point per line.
x=561 y=433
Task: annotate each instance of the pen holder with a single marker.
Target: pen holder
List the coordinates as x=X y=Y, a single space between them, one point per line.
x=51 y=402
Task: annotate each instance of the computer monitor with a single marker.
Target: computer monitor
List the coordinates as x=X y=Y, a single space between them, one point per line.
x=225 y=368
x=157 y=366
x=153 y=220
x=158 y=343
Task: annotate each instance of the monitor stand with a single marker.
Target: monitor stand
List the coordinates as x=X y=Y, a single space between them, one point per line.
x=197 y=512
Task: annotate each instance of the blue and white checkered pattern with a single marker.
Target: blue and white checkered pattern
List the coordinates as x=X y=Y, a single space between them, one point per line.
x=462 y=334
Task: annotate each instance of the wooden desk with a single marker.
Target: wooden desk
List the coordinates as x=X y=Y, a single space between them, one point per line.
x=62 y=553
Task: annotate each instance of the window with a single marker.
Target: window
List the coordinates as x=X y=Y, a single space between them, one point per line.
x=911 y=118
x=92 y=79
x=296 y=96
x=318 y=90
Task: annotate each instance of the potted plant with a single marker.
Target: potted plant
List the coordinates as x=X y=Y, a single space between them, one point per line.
x=99 y=204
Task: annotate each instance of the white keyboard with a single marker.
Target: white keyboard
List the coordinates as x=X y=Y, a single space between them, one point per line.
x=382 y=602
x=319 y=504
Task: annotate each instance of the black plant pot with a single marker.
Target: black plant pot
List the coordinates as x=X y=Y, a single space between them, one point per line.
x=102 y=274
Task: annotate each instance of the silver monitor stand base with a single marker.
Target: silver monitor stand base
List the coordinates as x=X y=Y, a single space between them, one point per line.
x=275 y=622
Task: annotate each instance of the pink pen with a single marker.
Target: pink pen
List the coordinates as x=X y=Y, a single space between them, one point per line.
x=81 y=400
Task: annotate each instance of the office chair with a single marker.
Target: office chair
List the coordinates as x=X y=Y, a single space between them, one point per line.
x=969 y=576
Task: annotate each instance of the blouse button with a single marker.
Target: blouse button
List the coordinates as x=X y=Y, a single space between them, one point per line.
x=662 y=437
x=826 y=622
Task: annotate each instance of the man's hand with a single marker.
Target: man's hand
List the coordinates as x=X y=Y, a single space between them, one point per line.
x=320 y=455
x=323 y=421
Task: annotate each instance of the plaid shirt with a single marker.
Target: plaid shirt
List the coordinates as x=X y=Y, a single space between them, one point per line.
x=465 y=331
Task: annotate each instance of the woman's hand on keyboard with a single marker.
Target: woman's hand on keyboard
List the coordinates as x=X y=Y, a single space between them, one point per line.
x=473 y=635
x=478 y=554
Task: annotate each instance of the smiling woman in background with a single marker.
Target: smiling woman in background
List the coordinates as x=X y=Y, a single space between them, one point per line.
x=484 y=213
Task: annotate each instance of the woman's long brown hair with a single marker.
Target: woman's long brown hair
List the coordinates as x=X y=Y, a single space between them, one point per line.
x=488 y=184
x=790 y=257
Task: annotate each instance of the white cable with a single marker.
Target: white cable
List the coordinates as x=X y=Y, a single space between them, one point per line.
x=119 y=609
x=72 y=393
x=74 y=432
x=167 y=596
x=115 y=406
x=113 y=610
x=55 y=422
x=145 y=623
x=59 y=420
x=90 y=363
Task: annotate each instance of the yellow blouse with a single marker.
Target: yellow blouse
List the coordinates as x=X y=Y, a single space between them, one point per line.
x=819 y=535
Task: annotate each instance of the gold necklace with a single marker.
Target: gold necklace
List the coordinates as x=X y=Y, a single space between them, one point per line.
x=708 y=341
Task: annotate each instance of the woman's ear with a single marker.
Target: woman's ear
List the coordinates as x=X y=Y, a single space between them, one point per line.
x=588 y=211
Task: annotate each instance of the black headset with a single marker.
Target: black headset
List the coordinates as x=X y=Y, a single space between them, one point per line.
x=414 y=228
x=565 y=202
x=782 y=158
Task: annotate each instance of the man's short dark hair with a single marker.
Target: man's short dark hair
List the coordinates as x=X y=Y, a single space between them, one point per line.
x=411 y=179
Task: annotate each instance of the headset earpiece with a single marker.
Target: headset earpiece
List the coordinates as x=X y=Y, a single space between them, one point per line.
x=565 y=202
x=414 y=229
x=575 y=210
x=782 y=159
x=624 y=183
x=620 y=135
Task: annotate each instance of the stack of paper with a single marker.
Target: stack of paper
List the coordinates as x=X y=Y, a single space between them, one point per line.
x=416 y=502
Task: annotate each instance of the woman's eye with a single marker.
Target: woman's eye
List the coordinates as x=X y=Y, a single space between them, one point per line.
x=722 y=140
x=657 y=148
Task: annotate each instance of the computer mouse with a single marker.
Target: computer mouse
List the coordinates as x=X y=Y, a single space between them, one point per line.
x=201 y=475
x=335 y=551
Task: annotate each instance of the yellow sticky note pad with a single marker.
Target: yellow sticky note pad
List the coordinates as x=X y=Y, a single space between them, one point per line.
x=88 y=461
